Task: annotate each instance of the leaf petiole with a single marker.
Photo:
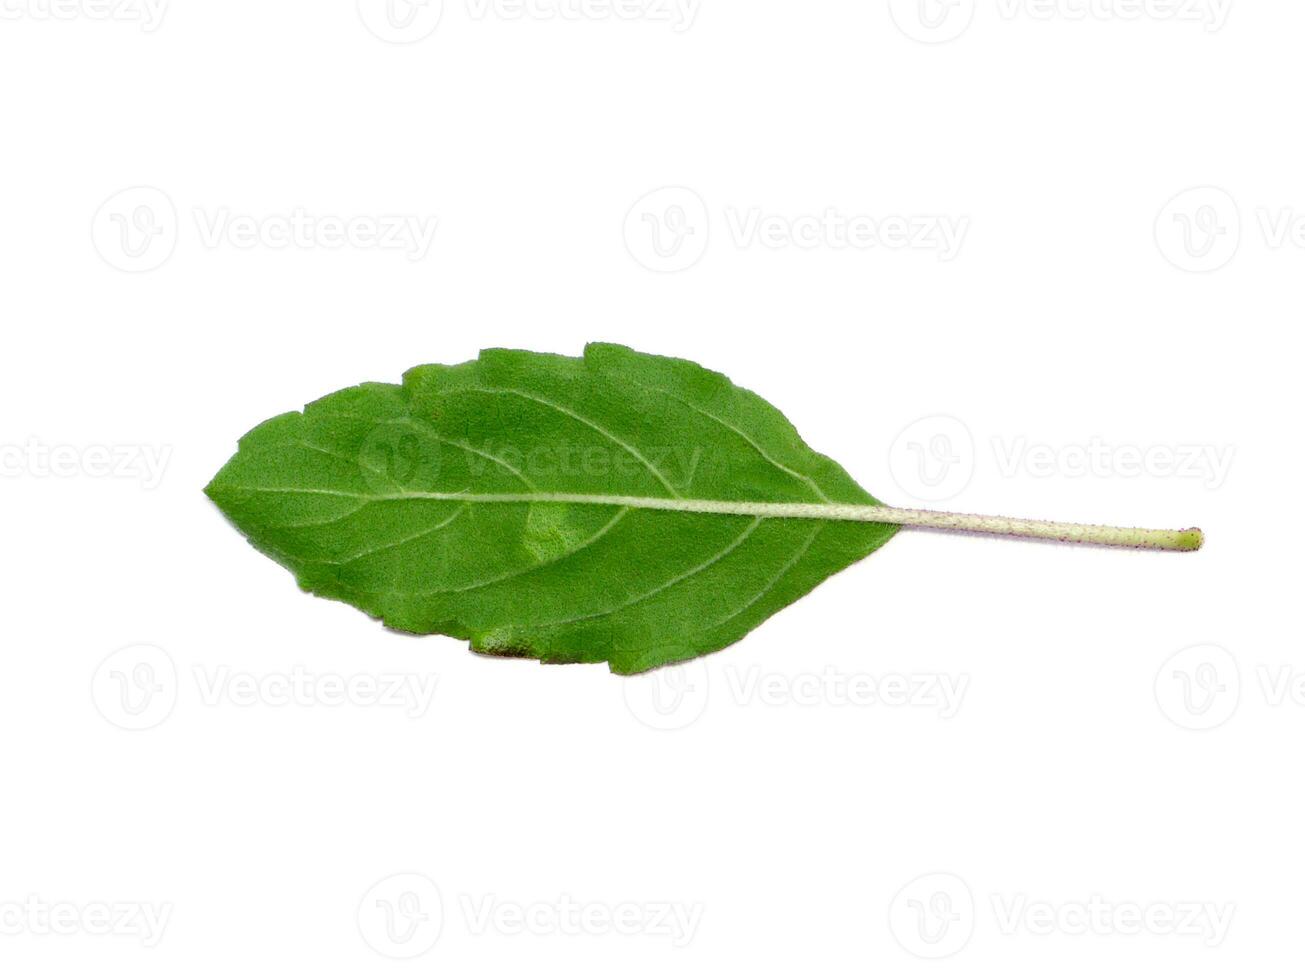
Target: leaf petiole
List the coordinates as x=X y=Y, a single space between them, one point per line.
x=1188 y=539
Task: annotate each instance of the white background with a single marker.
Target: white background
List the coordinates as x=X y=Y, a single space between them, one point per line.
x=1103 y=346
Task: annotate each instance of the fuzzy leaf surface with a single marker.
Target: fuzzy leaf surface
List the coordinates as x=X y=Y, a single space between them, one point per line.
x=497 y=501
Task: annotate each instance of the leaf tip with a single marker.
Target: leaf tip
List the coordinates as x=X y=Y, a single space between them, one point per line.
x=213 y=490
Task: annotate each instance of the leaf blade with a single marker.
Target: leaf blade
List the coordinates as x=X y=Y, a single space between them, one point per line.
x=364 y=496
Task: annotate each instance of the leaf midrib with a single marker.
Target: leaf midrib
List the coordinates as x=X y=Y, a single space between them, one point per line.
x=871 y=513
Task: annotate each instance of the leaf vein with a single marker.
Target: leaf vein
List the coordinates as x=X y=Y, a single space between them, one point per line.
x=526 y=571
x=719 y=556
x=402 y=541
x=584 y=421
x=788 y=566
x=737 y=431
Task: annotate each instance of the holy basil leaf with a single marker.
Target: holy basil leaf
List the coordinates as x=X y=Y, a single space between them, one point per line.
x=619 y=507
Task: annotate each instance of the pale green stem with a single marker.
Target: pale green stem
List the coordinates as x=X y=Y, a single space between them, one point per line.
x=1189 y=539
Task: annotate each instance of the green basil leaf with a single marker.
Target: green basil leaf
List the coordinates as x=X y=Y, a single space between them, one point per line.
x=618 y=507
x=530 y=503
